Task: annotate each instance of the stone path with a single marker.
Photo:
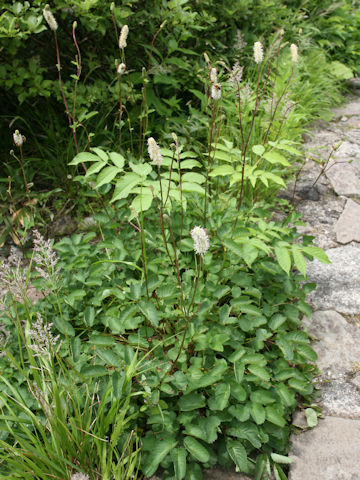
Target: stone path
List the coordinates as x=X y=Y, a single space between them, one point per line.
x=331 y=451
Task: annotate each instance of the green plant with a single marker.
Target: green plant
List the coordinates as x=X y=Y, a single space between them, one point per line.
x=54 y=421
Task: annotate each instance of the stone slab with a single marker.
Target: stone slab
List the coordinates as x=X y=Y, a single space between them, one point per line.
x=347 y=228
x=344 y=177
x=340 y=398
x=338 y=283
x=337 y=343
x=331 y=451
x=349 y=109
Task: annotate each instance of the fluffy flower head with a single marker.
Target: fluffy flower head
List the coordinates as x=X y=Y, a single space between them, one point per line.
x=235 y=76
x=49 y=17
x=154 y=152
x=79 y=476
x=213 y=75
x=216 y=91
x=258 y=52
x=201 y=240
x=123 y=36
x=121 y=69
x=294 y=52
x=18 y=139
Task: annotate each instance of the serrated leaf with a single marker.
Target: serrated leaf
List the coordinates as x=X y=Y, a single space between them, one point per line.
x=192 y=187
x=148 y=309
x=317 y=253
x=142 y=202
x=240 y=412
x=106 y=176
x=220 y=398
x=161 y=449
x=307 y=352
x=141 y=169
x=94 y=371
x=299 y=259
x=257 y=412
x=221 y=171
x=273 y=415
x=260 y=372
x=192 y=401
x=283 y=257
x=95 y=168
x=196 y=449
x=237 y=452
x=286 y=395
x=117 y=159
x=276 y=157
x=124 y=186
x=178 y=456
x=258 y=149
x=193 y=177
x=84 y=157
x=100 y=153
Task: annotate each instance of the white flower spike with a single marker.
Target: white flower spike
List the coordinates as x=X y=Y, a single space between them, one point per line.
x=258 y=52
x=201 y=240
x=154 y=152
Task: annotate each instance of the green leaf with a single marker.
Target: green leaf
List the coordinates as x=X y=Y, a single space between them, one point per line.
x=299 y=259
x=305 y=388
x=247 y=431
x=94 y=371
x=142 y=169
x=102 y=340
x=161 y=449
x=149 y=311
x=240 y=412
x=311 y=417
x=281 y=459
x=258 y=149
x=222 y=170
x=317 y=253
x=220 y=398
x=306 y=352
x=192 y=187
x=340 y=71
x=259 y=372
x=108 y=174
x=124 y=186
x=273 y=415
x=237 y=452
x=264 y=397
x=64 y=327
x=286 y=395
x=196 y=449
x=84 y=157
x=142 y=202
x=89 y=316
x=100 y=153
x=117 y=159
x=178 y=456
x=276 y=157
x=257 y=412
x=276 y=321
x=95 y=168
x=190 y=402
x=283 y=257
x=193 y=177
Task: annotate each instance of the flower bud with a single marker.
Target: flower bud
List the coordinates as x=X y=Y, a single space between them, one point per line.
x=50 y=19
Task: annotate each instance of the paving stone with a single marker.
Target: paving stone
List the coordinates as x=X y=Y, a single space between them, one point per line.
x=330 y=451
x=338 y=283
x=347 y=227
x=336 y=342
x=344 y=176
x=340 y=399
x=349 y=109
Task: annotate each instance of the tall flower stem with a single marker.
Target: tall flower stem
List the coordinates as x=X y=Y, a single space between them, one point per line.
x=67 y=111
